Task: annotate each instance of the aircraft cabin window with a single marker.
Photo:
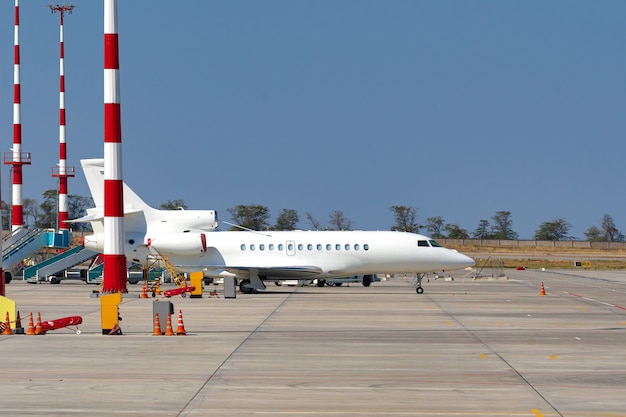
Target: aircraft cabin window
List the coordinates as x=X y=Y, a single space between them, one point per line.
x=280 y=247
x=347 y=247
x=337 y=246
x=434 y=244
x=422 y=243
x=309 y=246
x=251 y=247
x=300 y=247
x=356 y=247
x=290 y=247
x=261 y=247
x=328 y=247
x=319 y=246
x=271 y=246
x=243 y=246
x=366 y=247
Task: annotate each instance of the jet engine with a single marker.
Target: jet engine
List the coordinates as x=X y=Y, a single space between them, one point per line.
x=178 y=243
x=180 y=221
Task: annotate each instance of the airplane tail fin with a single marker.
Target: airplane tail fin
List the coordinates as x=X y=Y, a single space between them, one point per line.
x=94 y=174
x=138 y=215
x=136 y=212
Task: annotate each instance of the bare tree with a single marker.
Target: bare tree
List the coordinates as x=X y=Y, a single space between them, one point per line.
x=611 y=232
x=607 y=232
x=406 y=219
x=339 y=222
x=314 y=223
x=31 y=211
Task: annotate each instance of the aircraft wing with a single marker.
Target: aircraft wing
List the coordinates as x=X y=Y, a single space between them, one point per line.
x=88 y=218
x=276 y=272
x=293 y=272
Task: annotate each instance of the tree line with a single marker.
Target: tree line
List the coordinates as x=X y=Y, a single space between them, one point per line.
x=257 y=217
x=45 y=215
x=498 y=227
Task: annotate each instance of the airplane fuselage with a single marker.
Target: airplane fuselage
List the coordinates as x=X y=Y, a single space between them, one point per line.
x=190 y=241
x=326 y=254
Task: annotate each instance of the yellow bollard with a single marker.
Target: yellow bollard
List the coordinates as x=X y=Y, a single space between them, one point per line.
x=109 y=312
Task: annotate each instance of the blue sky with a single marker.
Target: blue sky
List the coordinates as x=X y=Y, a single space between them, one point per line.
x=457 y=108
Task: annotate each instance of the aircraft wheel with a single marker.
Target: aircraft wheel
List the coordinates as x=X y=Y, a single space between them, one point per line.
x=367 y=280
x=244 y=286
x=321 y=282
x=338 y=284
x=419 y=290
x=78 y=332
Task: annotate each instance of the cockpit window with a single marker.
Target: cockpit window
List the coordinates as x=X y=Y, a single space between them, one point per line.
x=422 y=243
x=434 y=244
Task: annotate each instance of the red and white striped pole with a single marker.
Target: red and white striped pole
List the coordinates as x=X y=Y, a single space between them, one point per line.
x=2 y=289
x=62 y=171
x=16 y=157
x=114 y=279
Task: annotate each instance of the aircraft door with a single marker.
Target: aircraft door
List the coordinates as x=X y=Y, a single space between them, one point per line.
x=291 y=247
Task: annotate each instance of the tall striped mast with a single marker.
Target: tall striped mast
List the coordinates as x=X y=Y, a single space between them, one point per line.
x=114 y=278
x=2 y=289
x=62 y=171
x=16 y=157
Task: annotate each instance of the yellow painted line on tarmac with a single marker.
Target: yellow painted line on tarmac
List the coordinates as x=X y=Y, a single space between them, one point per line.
x=449 y=323
x=501 y=323
x=581 y=308
x=483 y=356
x=536 y=412
x=553 y=357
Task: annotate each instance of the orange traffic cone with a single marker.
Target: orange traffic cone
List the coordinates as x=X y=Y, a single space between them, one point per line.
x=144 y=291
x=168 y=327
x=7 y=325
x=38 y=329
x=180 y=331
x=543 y=290
x=157 y=326
x=31 y=325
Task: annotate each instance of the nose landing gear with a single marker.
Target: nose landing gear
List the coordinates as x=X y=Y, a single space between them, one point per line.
x=419 y=288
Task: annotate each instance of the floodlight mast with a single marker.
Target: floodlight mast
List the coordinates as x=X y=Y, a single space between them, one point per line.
x=16 y=158
x=61 y=170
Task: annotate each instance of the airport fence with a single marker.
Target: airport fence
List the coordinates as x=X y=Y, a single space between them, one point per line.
x=576 y=244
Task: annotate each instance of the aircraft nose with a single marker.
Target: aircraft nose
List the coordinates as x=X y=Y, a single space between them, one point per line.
x=462 y=261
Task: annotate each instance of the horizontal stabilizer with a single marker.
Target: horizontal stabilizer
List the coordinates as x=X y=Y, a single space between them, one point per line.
x=100 y=216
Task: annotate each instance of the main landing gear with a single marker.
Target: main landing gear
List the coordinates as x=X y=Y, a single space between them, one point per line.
x=244 y=286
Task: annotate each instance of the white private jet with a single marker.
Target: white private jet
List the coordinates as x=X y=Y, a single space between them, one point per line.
x=189 y=239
